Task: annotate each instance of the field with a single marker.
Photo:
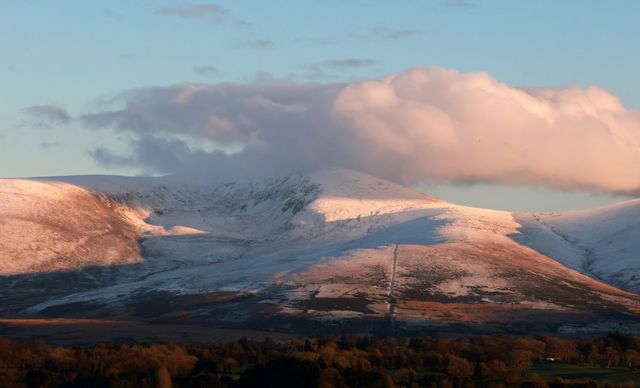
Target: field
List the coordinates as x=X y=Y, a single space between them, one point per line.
x=553 y=371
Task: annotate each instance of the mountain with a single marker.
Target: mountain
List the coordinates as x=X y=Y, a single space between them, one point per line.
x=307 y=253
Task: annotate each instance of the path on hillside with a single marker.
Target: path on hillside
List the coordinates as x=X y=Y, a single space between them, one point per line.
x=391 y=301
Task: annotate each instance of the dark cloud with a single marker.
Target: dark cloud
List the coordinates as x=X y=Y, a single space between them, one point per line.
x=274 y=124
x=155 y=154
x=257 y=44
x=105 y=157
x=229 y=113
x=46 y=115
x=207 y=71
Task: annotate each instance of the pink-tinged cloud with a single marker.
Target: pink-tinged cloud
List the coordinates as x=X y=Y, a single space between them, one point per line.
x=422 y=124
x=439 y=123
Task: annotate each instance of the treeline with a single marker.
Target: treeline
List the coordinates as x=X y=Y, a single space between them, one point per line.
x=348 y=361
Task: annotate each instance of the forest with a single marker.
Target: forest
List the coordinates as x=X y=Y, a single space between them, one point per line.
x=346 y=361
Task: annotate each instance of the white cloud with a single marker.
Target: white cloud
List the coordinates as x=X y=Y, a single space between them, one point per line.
x=422 y=124
x=439 y=123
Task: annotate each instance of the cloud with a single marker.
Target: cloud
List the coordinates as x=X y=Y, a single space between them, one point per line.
x=113 y=15
x=230 y=114
x=263 y=126
x=317 y=72
x=108 y=158
x=207 y=71
x=47 y=115
x=316 y=41
x=47 y=145
x=458 y=3
x=196 y=11
x=349 y=63
x=439 y=123
x=257 y=44
x=161 y=155
x=423 y=124
x=382 y=32
x=327 y=70
x=210 y=12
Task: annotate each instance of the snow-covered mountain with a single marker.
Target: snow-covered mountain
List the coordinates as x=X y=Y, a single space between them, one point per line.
x=332 y=245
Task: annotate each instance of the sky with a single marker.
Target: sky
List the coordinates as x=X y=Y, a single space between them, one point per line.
x=527 y=105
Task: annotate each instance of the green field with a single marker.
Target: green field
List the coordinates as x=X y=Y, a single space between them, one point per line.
x=551 y=371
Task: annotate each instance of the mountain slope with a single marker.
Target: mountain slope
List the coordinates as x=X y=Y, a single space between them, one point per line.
x=602 y=242
x=49 y=226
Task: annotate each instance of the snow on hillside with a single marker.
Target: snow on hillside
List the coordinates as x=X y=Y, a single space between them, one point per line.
x=352 y=204
x=241 y=210
x=602 y=242
x=47 y=226
x=288 y=207
x=188 y=221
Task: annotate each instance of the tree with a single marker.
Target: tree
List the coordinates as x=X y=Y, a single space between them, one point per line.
x=631 y=358
x=283 y=372
x=612 y=356
x=494 y=370
x=458 y=367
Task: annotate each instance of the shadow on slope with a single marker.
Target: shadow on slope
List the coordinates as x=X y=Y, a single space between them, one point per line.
x=204 y=263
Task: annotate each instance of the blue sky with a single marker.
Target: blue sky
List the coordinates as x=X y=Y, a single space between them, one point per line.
x=77 y=54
